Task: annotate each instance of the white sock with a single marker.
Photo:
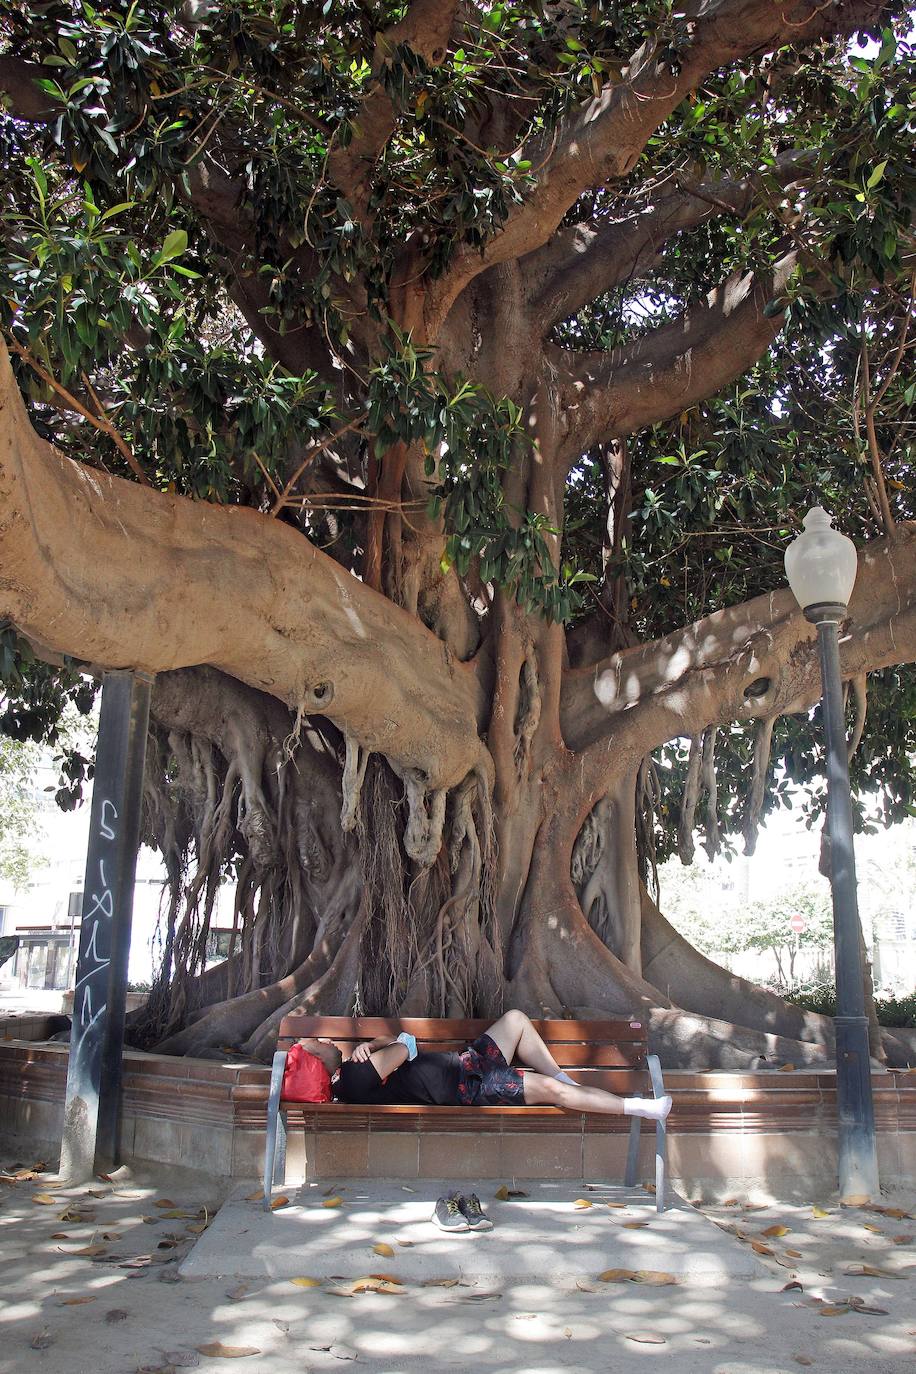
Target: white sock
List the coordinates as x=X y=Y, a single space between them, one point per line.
x=565 y=1078
x=652 y=1108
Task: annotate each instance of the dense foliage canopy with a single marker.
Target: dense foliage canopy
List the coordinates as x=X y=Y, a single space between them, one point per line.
x=546 y=321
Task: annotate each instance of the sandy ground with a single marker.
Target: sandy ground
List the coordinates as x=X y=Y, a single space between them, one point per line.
x=91 y=1286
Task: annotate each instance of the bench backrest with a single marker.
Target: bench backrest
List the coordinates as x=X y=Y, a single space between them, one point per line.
x=598 y=1050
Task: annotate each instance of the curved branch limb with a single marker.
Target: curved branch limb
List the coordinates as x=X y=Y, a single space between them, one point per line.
x=677 y=364
x=122 y=576
x=581 y=262
x=425 y=29
x=699 y=676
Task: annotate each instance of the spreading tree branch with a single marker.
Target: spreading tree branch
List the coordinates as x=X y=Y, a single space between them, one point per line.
x=425 y=29
x=600 y=142
x=583 y=261
x=699 y=676
x=121 y=575
x=673 y=366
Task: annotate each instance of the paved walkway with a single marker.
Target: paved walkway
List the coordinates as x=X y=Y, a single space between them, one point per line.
x=93 y=1284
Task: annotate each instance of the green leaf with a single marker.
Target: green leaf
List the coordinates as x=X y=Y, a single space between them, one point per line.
x=175 y=244
x=876 y=175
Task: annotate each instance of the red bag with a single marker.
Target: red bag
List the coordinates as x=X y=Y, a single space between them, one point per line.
x=305 y=1078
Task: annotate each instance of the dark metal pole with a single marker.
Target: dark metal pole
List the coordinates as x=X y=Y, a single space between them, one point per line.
x=92 y=1112
x=858 y=1160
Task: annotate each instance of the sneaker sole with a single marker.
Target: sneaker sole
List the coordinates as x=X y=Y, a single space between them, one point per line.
x=449 y=1230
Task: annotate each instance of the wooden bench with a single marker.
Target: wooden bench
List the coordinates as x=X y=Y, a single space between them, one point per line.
x=605 y=1054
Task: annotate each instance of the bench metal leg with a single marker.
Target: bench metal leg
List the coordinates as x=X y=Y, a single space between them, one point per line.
x=629 y=1177
x=661 y=1133
x=275 y=1142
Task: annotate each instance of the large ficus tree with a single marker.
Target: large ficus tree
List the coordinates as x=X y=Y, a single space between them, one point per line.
x=425 y=393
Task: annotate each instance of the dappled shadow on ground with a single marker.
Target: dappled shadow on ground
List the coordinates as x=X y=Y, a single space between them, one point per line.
x=67 y=1312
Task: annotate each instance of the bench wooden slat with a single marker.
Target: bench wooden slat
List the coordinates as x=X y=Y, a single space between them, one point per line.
x=368 y=1027
x=567 y=1056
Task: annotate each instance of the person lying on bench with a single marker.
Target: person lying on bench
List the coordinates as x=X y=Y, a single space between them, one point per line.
x=390 y=1069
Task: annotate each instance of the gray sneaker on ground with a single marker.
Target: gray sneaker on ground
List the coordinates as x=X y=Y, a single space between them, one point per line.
x=448 y=1215
x=474 y=1214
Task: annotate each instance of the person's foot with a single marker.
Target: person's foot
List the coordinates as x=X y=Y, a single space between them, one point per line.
x=448 y=1215
x=474 y=1214
x=650 y=1108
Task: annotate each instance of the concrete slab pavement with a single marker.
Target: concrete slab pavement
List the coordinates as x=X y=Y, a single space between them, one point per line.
x=548 y=1235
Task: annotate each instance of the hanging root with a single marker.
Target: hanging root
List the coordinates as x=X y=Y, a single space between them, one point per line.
x=710 y=783
x=423 y=832
x=762 y=742
x=528 y=714
x=687 y=818
x=354 y=773
x=648 y=800
x=860 y=692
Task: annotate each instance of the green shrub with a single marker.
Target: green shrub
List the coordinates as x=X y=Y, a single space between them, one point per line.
x=821 y=998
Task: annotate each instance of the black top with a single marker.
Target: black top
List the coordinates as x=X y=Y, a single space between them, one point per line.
x=430 y=1079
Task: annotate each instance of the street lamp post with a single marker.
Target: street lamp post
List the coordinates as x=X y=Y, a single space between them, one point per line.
x=821 y=569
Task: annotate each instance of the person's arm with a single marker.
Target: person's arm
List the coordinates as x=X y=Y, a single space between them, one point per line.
x=369 y=1047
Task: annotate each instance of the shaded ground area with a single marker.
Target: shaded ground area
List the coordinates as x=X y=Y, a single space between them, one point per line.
x=92 y=1286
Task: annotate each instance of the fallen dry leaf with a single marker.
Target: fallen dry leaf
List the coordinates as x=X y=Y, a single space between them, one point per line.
x=615 y=1204
x=41 y=1340
x=802 y=1359
x=657 y=1278
x=256 y=1197
x=786 y=1068
x=176 y=1214
x=860 y=1305
x=197 y=1228
x=760 y=1249
x=648 y=1187
x=877 y=1229
x=645 y=1337
x=585 y=1287
x=306 y=1282
x=329 y=1202
x=634 y=1225
x=581 y=1203
x=732 y=1202
x=502 y=1193
x=439 y=1283
x=776 y=1231
x=215 y=1350
x=279 y=1202
x=795 y=1254
x=896 y=1212
x=60 y=1235
x=794 y=1283
x=89 y=1250
x=46 y=1199
x=870 y=1271
x=832 y=1310
x=405 y=1243
x=818 y=1213
x=74 y=1302
x=242 y=1290
x=901 y=1240
x=71 y=1215
x=165 y=1202
x=383 y=1248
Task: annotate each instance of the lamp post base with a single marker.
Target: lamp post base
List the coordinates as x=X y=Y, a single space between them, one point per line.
x=858 y=1164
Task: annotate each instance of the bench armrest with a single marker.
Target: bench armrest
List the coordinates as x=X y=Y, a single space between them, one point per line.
x=273 y=1122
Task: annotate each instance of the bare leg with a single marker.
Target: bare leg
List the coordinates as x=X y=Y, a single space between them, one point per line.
x=517 y=1038
x=541 y=1091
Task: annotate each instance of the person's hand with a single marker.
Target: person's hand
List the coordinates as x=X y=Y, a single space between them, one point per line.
x=361 y=1053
